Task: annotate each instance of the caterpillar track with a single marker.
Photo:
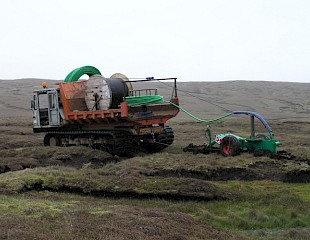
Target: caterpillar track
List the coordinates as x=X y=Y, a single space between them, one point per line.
x=116 y=142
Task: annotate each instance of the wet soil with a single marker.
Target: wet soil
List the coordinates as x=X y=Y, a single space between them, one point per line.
x=275 y=170
x=73 y=159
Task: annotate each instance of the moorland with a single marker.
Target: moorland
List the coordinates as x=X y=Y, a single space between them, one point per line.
x=82 y=193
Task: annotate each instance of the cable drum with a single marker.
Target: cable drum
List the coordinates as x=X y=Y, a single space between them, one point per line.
x=119 y=91
x=125 y=78
x=104 y=93
x=98 y=93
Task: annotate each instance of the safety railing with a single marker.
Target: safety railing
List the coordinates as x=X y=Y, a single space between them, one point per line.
x=144 y=92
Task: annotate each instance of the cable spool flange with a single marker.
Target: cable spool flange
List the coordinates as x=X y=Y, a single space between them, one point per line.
x=105 y=93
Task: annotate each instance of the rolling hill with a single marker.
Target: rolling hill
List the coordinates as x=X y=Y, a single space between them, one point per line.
x=273 y=100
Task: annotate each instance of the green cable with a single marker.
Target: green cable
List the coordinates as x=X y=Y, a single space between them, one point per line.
x=144 y=100
x=197 y=118
x=75 y=74
x=154 y=99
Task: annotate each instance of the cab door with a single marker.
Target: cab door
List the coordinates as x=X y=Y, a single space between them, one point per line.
x=53 y=108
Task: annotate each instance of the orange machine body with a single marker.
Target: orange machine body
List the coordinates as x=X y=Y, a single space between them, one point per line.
x=75 y=110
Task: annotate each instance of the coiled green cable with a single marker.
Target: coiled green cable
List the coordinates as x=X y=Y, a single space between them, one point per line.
x=75 y=74
x=144 y=100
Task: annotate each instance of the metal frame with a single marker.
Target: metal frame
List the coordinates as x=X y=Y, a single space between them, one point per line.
x=251 y=144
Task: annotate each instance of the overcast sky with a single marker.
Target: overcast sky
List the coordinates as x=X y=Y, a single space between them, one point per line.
x=193 y=40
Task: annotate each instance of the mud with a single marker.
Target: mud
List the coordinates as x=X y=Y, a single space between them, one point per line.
x=299 y=176
x=124 y=193
x=220 y=174
x=74 y=160
x=274 y=170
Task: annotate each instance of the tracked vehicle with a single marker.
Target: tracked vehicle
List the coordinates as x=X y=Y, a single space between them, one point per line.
x=104 y=113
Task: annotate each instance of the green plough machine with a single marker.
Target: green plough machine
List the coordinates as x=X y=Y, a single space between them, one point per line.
x=229 y=144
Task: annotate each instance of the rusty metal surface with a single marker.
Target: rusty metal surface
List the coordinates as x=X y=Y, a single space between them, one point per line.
x=73 y=96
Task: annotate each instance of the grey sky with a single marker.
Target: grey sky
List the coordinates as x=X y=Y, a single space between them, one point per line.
x=192 y=40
